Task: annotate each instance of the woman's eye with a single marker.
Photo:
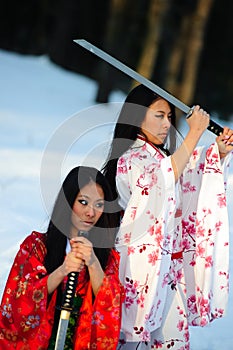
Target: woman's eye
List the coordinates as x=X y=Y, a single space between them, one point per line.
x=100 y=205
x=161 y=116
x=83 y=201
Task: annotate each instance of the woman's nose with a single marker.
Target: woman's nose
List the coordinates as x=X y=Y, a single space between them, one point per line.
x=90 y=211
x=167 y=123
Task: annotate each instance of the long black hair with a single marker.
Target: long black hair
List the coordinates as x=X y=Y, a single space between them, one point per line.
x=128 y=127
x=60 y=222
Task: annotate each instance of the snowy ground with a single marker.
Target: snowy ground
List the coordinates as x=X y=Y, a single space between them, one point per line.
x=48 y=124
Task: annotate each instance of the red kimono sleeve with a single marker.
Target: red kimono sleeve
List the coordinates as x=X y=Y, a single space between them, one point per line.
x=25 y=317
x=99 y=323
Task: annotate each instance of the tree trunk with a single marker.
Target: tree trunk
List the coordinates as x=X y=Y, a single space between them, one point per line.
x=184 y=60
x=194 y=49
x=124 y=40
x=105 y=72
x=172 y=83
x=155 y=17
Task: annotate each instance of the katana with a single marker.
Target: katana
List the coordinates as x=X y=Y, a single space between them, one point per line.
x=214 y=127
x=67 y=305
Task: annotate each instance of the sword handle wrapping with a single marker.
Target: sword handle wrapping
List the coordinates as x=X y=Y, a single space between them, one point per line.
x=71 y=284
x=68 y=297
x=215 y=128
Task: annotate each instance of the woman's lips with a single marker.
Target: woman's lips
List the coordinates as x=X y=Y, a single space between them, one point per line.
x=89 y=223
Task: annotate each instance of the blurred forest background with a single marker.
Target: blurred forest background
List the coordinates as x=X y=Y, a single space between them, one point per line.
x=185 y=46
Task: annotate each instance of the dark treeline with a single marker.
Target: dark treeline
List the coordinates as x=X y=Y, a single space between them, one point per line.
x=185 y=46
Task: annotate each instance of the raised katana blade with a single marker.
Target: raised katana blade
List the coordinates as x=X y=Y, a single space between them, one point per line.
x=214 y=127
x=136 y=76
x=62 y=330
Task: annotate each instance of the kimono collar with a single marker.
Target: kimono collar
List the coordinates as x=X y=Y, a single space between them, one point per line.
x=158 y=148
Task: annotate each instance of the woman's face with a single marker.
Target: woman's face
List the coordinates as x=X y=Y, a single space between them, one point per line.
x=157 y=121
x=87 y=208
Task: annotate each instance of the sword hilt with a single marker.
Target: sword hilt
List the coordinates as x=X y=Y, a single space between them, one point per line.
x=71 y=284
x=68 y=297
x=213 y=126
x=216 y=129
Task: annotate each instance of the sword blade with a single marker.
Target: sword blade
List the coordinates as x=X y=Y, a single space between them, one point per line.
x=62 y=330
x=133 y=74
x=214 y=127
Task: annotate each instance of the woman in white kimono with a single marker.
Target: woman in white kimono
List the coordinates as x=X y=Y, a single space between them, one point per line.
x=173 y=236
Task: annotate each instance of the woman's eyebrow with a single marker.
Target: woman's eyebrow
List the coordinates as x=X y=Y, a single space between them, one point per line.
x=163 y=112
x=86 y=196
x=160 y=112
x=83 y=196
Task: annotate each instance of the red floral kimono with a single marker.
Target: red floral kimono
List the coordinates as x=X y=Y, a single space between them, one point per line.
x=26 y=316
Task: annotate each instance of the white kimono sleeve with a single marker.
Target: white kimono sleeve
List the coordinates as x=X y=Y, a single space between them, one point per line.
x=205 y=236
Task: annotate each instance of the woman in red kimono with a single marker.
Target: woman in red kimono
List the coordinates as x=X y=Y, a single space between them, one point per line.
x=30 y=307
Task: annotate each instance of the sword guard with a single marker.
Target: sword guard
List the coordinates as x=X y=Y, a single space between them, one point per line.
x=190 y=112
x=214 y=127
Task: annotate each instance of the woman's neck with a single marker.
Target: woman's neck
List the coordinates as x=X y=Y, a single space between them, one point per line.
x=159 y=146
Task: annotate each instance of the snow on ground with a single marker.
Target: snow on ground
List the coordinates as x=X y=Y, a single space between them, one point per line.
x=48 y=124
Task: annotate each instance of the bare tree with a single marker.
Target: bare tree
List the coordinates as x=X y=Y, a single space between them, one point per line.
x=105 y=72
x=172 y=83
x=124 y=39
x=187 y=49
x=155 y=19
x=194 y=49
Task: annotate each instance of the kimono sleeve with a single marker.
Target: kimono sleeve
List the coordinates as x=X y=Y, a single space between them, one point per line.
x=106 y=318
x=205 y=236
x=24 y=302
x=99 y=323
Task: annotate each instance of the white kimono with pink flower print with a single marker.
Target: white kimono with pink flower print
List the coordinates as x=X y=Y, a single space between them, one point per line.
x=162 y=218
